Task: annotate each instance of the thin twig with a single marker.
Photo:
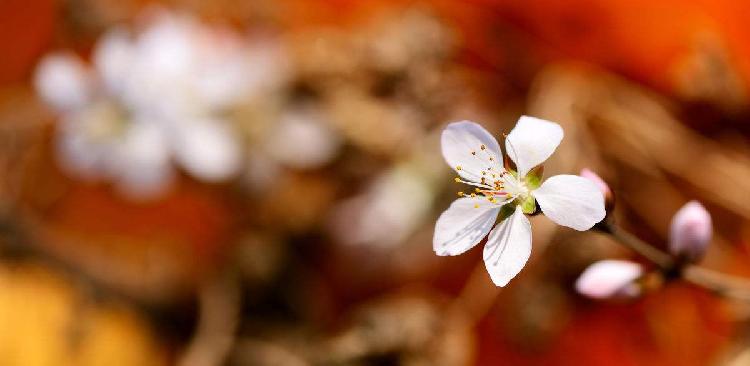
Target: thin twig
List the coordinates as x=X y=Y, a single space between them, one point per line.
x=631 y=241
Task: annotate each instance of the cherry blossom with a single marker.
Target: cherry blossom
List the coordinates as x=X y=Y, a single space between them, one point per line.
x=509 y=194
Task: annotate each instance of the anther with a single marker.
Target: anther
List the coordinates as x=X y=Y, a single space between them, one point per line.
x=457 y=179
x=460 y=194
x=458 y=167
x=483 y=147
x=473 y=195
x=476 y=205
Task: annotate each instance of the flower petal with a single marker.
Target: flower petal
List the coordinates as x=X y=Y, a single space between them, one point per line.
x=141 y=161
x=64 y=81
x=531 y=142
x=460 y=140
x=571 y=201
x=690 y=231
x=208 y=150
x=610 y=278
x=508 y=248
x=113 y=57
x=463 y=225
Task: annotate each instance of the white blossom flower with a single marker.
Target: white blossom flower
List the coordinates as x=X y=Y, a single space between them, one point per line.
x=690 y=232
x=568 y=200
x=610 y=278
x=156 y=97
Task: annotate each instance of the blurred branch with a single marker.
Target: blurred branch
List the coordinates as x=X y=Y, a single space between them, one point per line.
x=219 y=300
x=658 y=257
x=476 y=298
x=721 y=284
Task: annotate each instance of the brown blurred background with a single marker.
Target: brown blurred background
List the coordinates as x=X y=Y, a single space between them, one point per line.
x=316 y=248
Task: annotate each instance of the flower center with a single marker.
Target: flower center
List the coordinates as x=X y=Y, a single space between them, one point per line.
x=515 y=187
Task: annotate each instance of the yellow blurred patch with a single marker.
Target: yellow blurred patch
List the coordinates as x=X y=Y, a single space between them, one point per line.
x=47 y=321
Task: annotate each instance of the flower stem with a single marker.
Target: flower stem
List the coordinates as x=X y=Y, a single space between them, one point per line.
x=721 y=284
x=631 y=241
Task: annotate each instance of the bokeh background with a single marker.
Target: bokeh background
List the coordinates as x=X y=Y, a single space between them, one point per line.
x=257 y=182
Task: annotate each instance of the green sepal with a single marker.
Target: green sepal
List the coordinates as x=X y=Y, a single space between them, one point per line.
x=507 y=210
x=529 y=205
x=534 y=177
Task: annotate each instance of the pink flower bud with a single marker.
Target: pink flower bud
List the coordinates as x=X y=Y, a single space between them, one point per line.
x=690 y=232
x=610 y=279
x=609 y=197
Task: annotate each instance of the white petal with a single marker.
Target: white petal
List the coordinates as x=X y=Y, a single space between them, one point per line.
x=63 y=80
x=462 y=225
x=690 y=231
x=508 y=248
x=609 y=278
x=208 y=150
x=571 y=201
x=76 y=153
x=531 y=142
x=141 y=163
x=113 y=57
x=460 y=139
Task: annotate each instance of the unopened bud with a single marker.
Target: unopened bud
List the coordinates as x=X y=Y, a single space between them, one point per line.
x=690 y=232
x=610 y=279
x=609 y=197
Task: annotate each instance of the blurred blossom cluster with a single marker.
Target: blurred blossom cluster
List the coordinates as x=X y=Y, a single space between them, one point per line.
x=157 y=95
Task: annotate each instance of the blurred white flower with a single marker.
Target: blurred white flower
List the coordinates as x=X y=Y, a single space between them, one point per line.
x=690 y=232
x=610 y=279
x=568 y=200
x=157 y=96
x=303 y=139
x=384 y=216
